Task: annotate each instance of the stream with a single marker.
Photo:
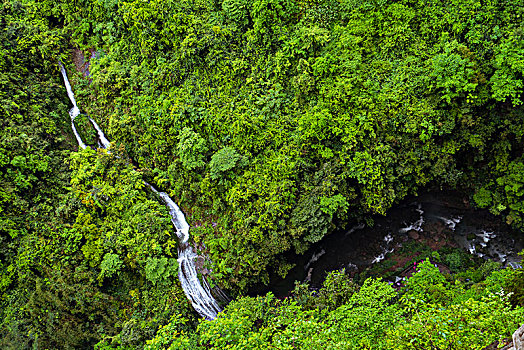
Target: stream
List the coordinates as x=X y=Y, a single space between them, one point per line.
x=435 y=219
x=199 y=294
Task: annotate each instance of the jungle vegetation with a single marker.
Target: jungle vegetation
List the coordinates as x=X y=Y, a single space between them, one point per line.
x=271 y=123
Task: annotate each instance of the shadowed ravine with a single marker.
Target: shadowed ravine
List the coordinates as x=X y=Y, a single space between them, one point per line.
x=198 y=293
x=437 y=219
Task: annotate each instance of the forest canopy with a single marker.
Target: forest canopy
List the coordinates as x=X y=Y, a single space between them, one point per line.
x=271 y=123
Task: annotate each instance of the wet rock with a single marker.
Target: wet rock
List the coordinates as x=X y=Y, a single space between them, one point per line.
x=351 y=268
x=514 y=265
x=516 y=344
x=413 y=234
x=309 y=274
x=439 y=228
x=518 y=339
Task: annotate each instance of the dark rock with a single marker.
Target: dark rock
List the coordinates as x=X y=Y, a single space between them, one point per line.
x=413 y=234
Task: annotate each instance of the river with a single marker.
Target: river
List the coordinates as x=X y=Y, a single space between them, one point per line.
x=433 y=219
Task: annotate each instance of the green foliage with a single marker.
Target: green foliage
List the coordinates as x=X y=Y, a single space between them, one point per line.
x=452 y=72
x=161 y=270
x=173 y=336
x=86 y=131
x=310 y=220
x=509 y=63
x=237 y=11
x=482 y=198
x=271 y=123
x=427 y=285
x=472 y=324
x=457 y=260
x=336 y=290
x=111 y=264
x=274 y=121
x=191 y=149
x=223 y=161
x=364 y=320
x=331 y=205
x=514 y=287
x=254 y=323
x=270 y=17
x=374 y=316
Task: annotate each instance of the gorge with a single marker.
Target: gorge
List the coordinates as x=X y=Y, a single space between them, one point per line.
x=351 y=173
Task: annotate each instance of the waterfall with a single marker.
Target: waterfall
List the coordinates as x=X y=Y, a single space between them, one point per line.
x=103 y=140
x=78 y=138
x=177 y=217
x=417 y=225
x=200 y=295
x=74 y=112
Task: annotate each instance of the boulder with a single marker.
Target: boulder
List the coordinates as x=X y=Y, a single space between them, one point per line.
x=517 y=343
x=518 y=339
x=413 y=234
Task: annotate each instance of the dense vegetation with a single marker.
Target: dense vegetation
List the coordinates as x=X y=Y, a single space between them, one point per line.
x=271 y=122
x=431 y=313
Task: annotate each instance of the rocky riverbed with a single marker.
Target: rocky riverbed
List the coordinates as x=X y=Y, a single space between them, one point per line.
x=432 y=221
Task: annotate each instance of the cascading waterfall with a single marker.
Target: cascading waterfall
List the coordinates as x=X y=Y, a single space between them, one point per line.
x=104 y=142
x=177 y=217
x=80 y=143
x=74 y=112
x=200 y=295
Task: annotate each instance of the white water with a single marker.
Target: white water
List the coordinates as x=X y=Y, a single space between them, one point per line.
x=417 y=225
x=103 y=140
x=355 y=228
x=177 y=217
x=382 y=255
x=74 y=111
x=200 y=295
x=78 y=138
x=486 y=236
x=314 y=258
x=385 y=250
x=451 y=223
